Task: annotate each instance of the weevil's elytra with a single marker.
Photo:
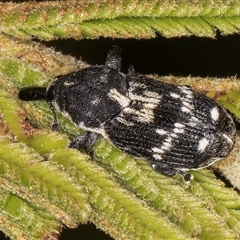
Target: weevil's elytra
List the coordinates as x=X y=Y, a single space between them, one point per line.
x=173 y=127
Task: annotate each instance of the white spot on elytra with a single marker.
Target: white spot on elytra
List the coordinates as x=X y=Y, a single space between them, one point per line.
x=68 y=83
x=178 y=130
x=157 y=150
x=174 y=95
x=150 y=94
x=124 y=121
x=168 y=142
x=202 y=144
x=161 y=131
x=157 y=157
x=228 y=138
x=95 y=102
x=187 y=110
x=186 y=91
x=214 y=113
x=193 y=121
x=179 y=125
x=188 y=105
x=149 y=102
x=120 y=98
x=173 y=135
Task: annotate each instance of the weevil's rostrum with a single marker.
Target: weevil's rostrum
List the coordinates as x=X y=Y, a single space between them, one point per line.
x=173 y=127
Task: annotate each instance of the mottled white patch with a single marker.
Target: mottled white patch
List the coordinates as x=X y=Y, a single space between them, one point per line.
x=168 y=140
x=174 y=95
x=214 y=113
x=120 y=98
x=179 y=125
x=178 y=130
x=187 y=110
x=173 y=135
x=186 y=91
x=149 y=105
x=68 y=83
x=193 y=121
x=166 y=148
x=153 y=98
x=124 y=121
x=228 y=138
x=202 y=144
x=188 y=105
x=186 y=100
x=157 y=150
x=167 y=145
x=157 y=157
x=149 y=101
x=95 y=102
x=137 y=85
x=161 y=131
x=143 y=115
x=150 y=94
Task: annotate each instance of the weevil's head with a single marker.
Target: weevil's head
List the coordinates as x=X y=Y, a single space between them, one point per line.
x=88 y=97
x=85 y=96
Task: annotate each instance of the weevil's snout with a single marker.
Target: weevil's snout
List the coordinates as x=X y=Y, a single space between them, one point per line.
x=32 y=93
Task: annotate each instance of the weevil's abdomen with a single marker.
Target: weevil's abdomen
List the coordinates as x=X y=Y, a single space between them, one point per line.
x=172 y=126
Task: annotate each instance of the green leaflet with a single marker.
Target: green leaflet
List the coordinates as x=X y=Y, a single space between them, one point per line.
x=115 y=203
x=125 y=19
x=230 y=101
x=27 y=174
x=175 y=200
x=20 y=219
x=52 y=185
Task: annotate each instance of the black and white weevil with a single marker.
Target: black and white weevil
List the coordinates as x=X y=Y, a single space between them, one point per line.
x=173 y=127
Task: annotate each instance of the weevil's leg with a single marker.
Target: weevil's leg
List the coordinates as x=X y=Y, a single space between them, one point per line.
x=55 y=123
x=186 y=176
x=170 y=172
x=85 y=142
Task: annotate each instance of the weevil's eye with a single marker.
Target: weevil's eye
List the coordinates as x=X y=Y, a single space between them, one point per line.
x=32 y=93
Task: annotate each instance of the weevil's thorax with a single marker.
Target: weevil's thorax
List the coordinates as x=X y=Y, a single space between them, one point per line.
x=83 y=96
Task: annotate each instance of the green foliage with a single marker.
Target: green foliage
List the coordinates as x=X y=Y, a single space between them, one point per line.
x=125 y=19
x=45 y=185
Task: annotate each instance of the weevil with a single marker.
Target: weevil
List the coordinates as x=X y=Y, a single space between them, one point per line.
x=173 y=127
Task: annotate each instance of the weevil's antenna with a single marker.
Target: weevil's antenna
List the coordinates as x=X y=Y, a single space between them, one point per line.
x=55 y=124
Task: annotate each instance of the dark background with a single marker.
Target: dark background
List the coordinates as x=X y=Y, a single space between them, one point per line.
x=219 y=57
